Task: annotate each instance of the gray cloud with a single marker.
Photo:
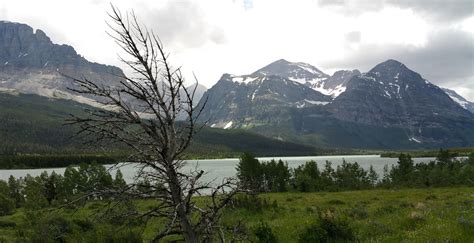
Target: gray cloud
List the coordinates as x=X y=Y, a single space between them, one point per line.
x=353 y=37
x=434 y=10
x=181 y=23
x=3 y=12
x=446 y=59
x=442 y=10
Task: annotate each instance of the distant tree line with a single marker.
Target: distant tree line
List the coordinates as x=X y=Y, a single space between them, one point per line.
x=276 y=176
x=53 y=160
x=446 y=170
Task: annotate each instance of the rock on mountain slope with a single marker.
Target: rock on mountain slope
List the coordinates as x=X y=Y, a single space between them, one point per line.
x=391 y=106
x=460 y=100
x=31 y=63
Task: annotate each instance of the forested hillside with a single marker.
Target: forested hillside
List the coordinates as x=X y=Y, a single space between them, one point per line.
x=35 y=124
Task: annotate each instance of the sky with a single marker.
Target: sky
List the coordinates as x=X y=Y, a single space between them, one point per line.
x=211 y=37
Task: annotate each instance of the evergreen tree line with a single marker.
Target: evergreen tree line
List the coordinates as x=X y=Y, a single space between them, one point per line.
x=276 y=176
x=49 y=190
x=53 y=160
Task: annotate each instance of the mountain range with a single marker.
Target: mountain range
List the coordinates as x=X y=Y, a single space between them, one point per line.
x=388 y=107
x=35 y=102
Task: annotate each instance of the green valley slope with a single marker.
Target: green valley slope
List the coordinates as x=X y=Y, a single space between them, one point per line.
x=35 y=124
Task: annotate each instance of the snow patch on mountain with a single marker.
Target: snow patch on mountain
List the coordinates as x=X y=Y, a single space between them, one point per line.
x=463 y=103
x=305 y=102
x=337 y=91
x=459 y=99
x=245 y=79
x=316 y=102
x=413 y=139
x=309 y=68
x=228 y=125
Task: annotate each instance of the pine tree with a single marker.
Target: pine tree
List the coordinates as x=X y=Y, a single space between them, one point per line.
x=119 y=182
x=372 y=176
x=250 y=173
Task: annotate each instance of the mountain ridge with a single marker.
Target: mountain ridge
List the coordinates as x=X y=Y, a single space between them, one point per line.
x=390 y=106
x=390 y=98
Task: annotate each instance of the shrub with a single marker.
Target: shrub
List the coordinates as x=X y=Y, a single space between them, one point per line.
x=263 y=233
x=336 y=202
x=7 y=205
x=414 y=219
x=108 y=233
x=357 y=212
x=389 y=209
x=4 y=224
x=328 y=228
x=50 y=228
x=466 y=223
x=84 y=224
x=376 y=228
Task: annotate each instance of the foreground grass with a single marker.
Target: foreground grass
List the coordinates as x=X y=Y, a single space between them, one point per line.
x=415 y=215
x=421 y=215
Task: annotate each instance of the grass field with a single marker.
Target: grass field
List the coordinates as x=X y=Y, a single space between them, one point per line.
x=382 y=215
x=421 y=215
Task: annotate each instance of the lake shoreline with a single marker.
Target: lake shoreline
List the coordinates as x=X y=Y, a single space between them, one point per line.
x=218 y=169
x=263 y=158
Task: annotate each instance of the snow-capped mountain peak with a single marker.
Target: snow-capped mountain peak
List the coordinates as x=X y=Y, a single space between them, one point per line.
x=310 y=76
x=297 y=71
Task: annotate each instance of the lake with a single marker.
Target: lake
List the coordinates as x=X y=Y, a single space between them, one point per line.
x=218 y=169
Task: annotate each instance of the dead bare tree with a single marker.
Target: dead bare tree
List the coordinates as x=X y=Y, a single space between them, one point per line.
x=143 y=112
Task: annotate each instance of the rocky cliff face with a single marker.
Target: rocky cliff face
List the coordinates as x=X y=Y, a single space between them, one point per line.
x=248 y=100
x=31 y=63
x=391 y=95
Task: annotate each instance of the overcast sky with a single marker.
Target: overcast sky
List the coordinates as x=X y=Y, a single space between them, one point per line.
x=432 y=37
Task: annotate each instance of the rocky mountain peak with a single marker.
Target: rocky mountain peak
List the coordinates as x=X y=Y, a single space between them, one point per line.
x=392 y=70
x=31 y=63
x=198 y=90
x=22 y=47
x=296 y=71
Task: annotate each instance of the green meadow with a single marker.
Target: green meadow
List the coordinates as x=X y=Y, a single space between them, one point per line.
x=379 y=215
